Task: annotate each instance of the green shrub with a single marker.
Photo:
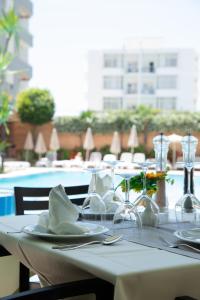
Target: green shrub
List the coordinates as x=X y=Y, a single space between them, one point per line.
x=63 y=154
x=35 y=106
x=105 y=150
x=32 y=156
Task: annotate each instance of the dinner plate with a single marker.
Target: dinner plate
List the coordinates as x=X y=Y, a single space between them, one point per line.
x=42 y=232
x=90 y=215
x=189 y=235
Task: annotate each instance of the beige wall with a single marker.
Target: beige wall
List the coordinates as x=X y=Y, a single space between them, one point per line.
x=18 y=132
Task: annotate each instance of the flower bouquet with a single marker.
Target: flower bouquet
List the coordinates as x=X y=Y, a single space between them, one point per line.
x=152 y=179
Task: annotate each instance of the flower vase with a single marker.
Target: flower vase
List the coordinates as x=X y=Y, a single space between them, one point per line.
x=160 y=196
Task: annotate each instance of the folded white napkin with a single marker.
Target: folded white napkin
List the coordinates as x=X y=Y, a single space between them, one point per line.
x=108 y=203
x=62 y=215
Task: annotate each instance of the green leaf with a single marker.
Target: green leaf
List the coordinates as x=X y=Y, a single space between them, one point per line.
x=5 y=60
x=9 y=25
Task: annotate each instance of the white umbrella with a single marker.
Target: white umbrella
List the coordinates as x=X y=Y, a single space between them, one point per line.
x=174 y=139
x=115 y=147
x=133 y=139
x=88 y=144
x=40 y=146
x=28 y=145
x=54 y=144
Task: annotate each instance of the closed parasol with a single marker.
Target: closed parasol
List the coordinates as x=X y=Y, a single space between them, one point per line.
x=133 y=139
x=115 y=147
x=88 y=144
x=40 y=146
x=28 y=145
x=174 y=139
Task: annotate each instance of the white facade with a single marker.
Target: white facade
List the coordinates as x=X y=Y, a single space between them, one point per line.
x=19 y=81
x=160 y=78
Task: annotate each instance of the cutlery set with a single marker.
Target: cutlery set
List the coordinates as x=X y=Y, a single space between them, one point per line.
x=107 y=241
x=113 y=239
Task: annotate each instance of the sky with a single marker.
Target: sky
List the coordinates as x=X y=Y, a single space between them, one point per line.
x=65 y=30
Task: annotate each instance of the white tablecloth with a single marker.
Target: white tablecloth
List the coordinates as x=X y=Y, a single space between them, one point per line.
x=138 y=272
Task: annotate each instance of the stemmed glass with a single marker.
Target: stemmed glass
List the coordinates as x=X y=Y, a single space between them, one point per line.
x=148 y=209
x=93 y=206
x=126 y=214
x=111 y=198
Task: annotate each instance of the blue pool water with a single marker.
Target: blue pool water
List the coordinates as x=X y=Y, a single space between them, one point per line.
x=46 y=179
x=67 y=178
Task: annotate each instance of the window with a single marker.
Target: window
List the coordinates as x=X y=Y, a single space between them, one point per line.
x=111 y=103
x=130 y=103
x=149 y=63
x=131 y=88
x=167 y=82
x=168 y=60
x=132 y=67
x=148 y=102
x=151 y=67
x=112 y=61
x=171 y=61
x=112 y=82
x=166 y=103
x=148 y=89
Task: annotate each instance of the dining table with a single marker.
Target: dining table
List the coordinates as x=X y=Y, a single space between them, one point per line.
x=140 y=266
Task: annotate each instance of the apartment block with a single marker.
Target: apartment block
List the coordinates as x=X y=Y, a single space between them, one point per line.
x=161 y=78
x=19 y=80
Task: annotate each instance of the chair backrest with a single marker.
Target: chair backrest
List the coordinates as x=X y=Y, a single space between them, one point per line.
x=127 y=157
x=100 y=288
x=110 y=157
x=51 y=155
x=95 y=156
x=30 y=198
x=139 y=157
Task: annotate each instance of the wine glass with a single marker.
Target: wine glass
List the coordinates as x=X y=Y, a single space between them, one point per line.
x=112 y=198
x=148 y=209
x=127 y=215
x=93 y=206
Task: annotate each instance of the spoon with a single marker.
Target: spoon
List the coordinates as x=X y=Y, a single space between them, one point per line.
x=107 y=241
x=178 y=245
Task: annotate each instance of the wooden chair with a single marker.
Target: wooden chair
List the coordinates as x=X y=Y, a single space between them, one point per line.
x=77 y=195
x=185 y=298
x=95 y=156
x=102 y=289
x=23 y=205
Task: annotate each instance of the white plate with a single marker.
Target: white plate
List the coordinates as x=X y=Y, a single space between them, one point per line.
x=39 y=231
x=189 y=235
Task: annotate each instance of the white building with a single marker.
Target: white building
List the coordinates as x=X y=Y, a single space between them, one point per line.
x=160 y=78
x=19 y=81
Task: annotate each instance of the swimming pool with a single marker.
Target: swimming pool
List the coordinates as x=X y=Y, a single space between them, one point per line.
x=46 y=179
x=67 y=178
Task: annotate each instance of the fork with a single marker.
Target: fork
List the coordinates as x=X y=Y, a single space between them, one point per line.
x=107 y=241
x=175 y=245
x=10 y=232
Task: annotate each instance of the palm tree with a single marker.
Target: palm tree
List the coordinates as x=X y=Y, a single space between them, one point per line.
x=9 y=30
x=145 y=115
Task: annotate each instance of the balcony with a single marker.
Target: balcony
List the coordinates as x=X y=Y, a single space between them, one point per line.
x=21 y=68
x=23 y=8
x=26 y=37
x=148 y=90
x=132 y=68
x=131 y=91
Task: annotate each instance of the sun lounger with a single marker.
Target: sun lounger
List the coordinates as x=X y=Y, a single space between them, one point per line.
x=15 y=165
